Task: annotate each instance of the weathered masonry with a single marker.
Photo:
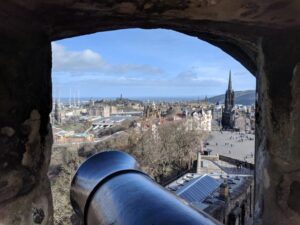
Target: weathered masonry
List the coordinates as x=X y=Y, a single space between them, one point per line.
x=262 y=35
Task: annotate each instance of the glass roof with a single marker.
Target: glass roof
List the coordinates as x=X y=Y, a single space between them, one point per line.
x=198 y=189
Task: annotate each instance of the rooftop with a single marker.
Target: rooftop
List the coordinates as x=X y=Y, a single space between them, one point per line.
x=202 y=189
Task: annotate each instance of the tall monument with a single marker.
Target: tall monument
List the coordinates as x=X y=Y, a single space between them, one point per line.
x=57 y=113
x=228 y=113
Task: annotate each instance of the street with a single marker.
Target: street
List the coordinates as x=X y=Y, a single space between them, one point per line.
x=236 y=145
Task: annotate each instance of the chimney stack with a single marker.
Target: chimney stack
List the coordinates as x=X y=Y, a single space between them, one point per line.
x=199 y=163
x=224 y=191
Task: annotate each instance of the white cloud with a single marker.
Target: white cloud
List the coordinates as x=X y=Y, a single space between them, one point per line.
x=87 y=60
x=64 y=60
x=201 y=76
x=88 y=70
x=184 y=79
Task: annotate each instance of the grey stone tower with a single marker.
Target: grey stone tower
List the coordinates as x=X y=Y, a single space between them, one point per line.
x=229 y=95
x=228 y=113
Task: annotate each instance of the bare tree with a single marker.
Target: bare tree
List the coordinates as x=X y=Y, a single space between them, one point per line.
x=162 y=150
x=169 y=147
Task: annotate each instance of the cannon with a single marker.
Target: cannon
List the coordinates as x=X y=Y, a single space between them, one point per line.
x=109 y=188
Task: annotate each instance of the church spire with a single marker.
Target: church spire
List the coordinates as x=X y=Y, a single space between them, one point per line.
x=229 y=82
x=228 y=112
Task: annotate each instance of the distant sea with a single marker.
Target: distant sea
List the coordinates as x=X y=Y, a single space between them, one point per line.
x=143 y=99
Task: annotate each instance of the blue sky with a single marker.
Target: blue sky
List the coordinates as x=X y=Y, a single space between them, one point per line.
x=143 y=63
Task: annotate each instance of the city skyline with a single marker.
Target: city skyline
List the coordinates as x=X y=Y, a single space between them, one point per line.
x=143 y=63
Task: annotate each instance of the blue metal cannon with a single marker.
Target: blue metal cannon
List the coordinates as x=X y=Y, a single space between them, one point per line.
x=110 y=189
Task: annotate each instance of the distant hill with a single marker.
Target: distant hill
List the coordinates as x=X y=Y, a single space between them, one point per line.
x=241 y=97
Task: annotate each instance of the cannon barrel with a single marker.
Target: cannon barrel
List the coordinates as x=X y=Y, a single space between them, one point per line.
x=109 y=188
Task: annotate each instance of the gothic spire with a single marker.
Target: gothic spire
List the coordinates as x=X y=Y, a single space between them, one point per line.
x=229 y=82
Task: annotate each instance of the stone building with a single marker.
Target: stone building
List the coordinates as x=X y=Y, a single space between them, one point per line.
x=99 y=110
x=202 y=119
x=151 y=111
x=62 y=137
x=228 y=112
x=219 y=188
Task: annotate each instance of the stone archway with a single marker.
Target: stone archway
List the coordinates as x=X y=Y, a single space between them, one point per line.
x=262 y=35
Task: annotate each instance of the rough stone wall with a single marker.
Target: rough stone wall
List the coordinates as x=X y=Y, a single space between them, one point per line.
x=238 y=22
x=25 y=133
x=278 y=131
x=257 y=33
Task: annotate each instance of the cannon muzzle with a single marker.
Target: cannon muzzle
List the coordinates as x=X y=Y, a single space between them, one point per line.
x=109 y=188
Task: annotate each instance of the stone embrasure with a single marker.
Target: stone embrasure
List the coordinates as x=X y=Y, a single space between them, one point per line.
x=262 y=35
